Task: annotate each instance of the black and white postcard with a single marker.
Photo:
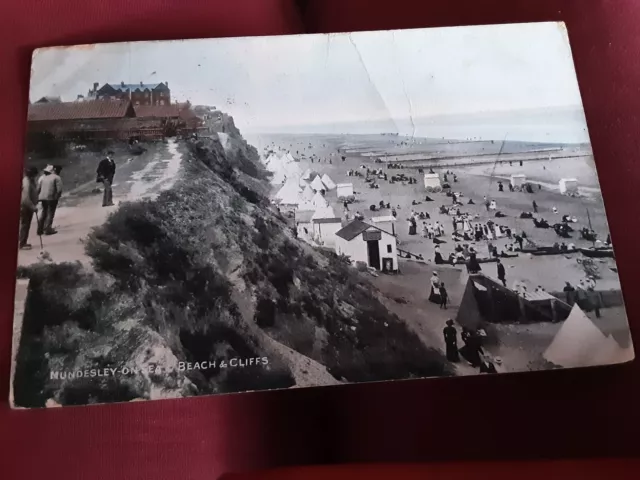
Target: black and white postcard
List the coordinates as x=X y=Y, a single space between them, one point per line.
x=225 y=215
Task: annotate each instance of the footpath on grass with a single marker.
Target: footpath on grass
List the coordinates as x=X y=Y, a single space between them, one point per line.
x=137 y=177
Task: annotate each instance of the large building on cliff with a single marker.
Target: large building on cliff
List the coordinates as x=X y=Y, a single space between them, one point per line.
x=138 y=93
x=111 y=119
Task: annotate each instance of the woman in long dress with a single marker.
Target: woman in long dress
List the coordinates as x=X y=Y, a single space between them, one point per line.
x=434 y=296
x=451 y=341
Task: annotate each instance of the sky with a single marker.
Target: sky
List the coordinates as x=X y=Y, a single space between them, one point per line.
x=513 y=80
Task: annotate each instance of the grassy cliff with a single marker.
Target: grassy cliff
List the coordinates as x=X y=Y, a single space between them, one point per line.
x=206 y=272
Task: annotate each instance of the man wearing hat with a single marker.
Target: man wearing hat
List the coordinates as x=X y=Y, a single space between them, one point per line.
x=105 y=173
x=49 y=192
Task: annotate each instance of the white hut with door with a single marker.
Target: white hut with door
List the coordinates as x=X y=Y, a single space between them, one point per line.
x=568 y=186
x=345 y=191
x=325 y=226
x=432 y=182
x=366 y=243
x=518 y=180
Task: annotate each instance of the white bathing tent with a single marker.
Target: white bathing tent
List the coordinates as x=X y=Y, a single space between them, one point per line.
x=306 y=175
x=323 y=212
x=278 y=178
x=274 y=163
x=308 y=193
x=317 y=184
x=270 y=159
x=289 y=194
x=345 y=190
x=328 y=182
x=568 y=185
x=580 y=343
x=307 y=206
x=319 y=201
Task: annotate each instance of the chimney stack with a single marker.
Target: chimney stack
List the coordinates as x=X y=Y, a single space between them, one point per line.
x=95 y=86
x=122 y=84
x=167 y=84
x=140 y=83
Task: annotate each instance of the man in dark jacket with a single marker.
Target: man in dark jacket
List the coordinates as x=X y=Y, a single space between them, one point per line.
x=105 y=173
x=501 y=273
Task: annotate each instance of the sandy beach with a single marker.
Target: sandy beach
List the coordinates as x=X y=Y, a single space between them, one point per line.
x=521 y=346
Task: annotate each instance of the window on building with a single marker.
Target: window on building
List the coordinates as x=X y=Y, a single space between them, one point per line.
x=161 y=102
x=162 y=94
x=389 y=249
x=146 y=94
x=137 y=103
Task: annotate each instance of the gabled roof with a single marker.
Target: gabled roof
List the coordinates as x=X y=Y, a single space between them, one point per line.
x=327 y=220
x=80 y=110
x=355 y=228
x=49 y=99
x=352 y=230
x=132 y=86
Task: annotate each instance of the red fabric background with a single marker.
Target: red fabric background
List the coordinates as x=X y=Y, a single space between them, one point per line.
x=554 y=414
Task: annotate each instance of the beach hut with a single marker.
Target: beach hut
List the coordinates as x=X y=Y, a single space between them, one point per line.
x=432 y=182
x=386 y=223
x=317 y=184
x=325 y=230
x=366 y=243
x=568 y=186
x=304 y=224
x=345 y=191
x=517 y=181
x=328 y=182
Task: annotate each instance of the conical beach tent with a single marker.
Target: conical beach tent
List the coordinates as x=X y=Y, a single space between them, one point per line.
x=289 y=194
x=318 y=200
x=580 y=343
x=328 y=182
x=317 y=184
x=308 y=193
x=306 y=206
x=278 y=178
x=324 y=212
